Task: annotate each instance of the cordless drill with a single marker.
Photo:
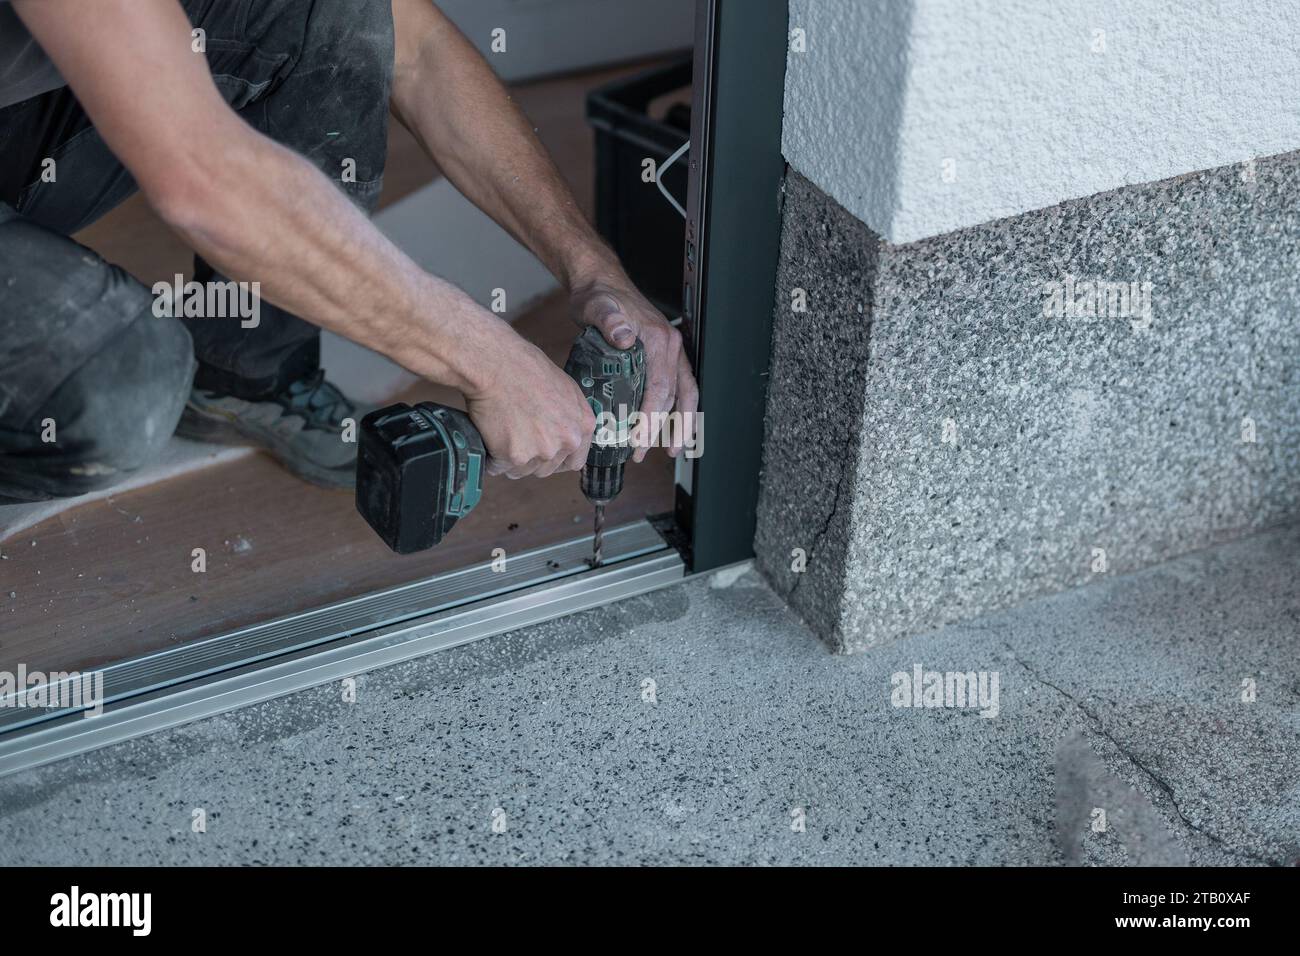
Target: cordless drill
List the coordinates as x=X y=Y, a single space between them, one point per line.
x=613 y=382
x=420 y=469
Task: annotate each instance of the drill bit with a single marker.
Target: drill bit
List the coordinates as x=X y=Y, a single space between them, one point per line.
x=598 y=539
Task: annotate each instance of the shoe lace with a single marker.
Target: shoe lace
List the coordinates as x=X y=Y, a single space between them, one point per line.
x=316 y=401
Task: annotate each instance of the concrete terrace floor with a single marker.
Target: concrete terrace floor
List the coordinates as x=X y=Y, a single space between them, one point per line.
x=1125 y=695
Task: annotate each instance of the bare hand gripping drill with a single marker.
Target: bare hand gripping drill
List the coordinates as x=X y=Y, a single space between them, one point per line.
x=420 y=468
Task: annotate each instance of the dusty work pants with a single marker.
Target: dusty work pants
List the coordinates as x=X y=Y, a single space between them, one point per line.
x=79 y=343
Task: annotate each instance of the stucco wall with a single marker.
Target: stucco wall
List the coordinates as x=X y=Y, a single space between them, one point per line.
x=1033 y=102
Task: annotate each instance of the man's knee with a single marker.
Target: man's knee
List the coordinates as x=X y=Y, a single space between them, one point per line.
x=108 y=419
x=122 y=406
x=360 y=34
x=344 y=78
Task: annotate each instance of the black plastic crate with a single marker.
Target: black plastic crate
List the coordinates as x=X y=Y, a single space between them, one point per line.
x=636 y=220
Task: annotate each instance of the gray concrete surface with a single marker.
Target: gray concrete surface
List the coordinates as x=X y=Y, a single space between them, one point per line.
x=994 y=446
x=1124 y=696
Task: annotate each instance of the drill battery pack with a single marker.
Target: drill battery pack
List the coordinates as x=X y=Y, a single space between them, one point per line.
x=419 y=471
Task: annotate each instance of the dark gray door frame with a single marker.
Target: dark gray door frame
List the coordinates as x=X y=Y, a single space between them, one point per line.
x=732 y=238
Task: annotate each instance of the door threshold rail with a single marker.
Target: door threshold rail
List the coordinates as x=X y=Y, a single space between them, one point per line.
x=254 y=664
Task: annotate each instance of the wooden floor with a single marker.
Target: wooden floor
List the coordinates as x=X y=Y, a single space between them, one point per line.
x=113 y=579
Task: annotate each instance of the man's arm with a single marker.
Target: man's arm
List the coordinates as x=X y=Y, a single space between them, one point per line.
x=450 y=99
x=259 y=212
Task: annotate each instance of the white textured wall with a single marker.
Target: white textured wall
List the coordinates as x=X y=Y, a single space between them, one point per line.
x=1035 y=101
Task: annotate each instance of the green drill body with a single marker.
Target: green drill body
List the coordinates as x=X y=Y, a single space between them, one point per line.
x=613 y=383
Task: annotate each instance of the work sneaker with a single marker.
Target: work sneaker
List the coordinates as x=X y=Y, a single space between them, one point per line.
x=303 y=427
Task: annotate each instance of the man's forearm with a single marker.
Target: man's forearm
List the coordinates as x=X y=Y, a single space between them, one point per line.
x=259 y=212
x=455 y=106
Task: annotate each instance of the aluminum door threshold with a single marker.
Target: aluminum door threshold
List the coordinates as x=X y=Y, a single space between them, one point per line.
x=219 y=674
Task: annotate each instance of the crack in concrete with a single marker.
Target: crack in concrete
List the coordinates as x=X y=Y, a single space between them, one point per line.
x=1163 y=785
x=820 y=536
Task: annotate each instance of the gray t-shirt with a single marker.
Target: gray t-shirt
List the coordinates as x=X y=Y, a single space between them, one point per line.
x=25 y=70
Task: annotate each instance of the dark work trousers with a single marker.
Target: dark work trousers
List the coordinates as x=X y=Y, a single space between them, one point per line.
x=83 y=359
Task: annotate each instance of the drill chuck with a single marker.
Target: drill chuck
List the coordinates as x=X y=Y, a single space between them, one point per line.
x=602 y=483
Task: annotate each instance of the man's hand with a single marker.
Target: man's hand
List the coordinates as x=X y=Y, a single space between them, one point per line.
x=533 y=418
x=622 y=314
